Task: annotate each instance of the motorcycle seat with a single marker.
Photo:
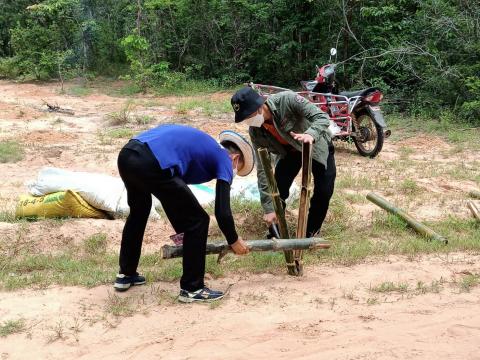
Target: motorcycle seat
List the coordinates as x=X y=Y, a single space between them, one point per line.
x=362 y=92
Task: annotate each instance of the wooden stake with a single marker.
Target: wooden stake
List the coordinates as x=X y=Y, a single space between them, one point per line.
x=264 y=157
x=304 y=201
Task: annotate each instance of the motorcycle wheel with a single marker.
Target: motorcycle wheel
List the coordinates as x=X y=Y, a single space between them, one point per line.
x=369 y=139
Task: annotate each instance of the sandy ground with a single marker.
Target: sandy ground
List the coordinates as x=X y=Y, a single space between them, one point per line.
x=332 y=312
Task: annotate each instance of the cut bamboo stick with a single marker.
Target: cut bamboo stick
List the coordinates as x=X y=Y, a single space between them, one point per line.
x=277 y=205
x=174 y=251
x=414 y=224
x=304 y=201
x=474 y=210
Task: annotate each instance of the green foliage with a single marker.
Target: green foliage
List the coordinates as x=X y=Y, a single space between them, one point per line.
x=12 y=327
x=167 y=44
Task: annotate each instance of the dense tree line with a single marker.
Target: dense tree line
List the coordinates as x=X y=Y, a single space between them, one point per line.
x=422 y=53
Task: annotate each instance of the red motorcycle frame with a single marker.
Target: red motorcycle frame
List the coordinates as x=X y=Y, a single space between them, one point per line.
x=356 y=114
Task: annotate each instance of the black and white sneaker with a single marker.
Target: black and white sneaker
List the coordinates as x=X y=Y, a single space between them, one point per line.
x=201 y=295
x=123 y=282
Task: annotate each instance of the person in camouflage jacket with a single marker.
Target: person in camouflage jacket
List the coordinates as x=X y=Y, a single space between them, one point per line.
x=281 y=123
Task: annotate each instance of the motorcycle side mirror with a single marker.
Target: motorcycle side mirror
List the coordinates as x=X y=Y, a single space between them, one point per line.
x=333 y=51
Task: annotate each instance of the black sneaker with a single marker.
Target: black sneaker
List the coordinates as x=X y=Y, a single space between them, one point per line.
x=202 y=295
x=123 y=282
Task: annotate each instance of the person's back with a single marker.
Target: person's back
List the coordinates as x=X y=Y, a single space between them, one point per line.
x=162 y=161
x=193 y=155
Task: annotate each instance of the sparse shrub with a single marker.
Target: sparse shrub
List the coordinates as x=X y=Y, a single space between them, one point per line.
x=122 y=117
x=11 y=151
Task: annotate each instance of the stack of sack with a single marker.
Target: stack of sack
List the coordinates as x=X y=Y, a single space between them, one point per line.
x=62 y=193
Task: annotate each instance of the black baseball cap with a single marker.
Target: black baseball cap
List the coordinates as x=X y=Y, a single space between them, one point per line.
x=245 y=102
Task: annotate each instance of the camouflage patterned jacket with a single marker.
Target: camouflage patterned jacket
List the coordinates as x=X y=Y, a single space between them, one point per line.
x=291 y=112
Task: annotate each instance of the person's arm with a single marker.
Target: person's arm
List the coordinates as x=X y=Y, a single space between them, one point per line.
x=223 y=214
x=265 y=197
x=318 y=120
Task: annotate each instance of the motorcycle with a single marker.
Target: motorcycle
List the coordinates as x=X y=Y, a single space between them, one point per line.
x=356 y=114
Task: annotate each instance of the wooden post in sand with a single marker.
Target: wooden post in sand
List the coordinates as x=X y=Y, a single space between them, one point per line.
x=304 y=201
x=264 y=157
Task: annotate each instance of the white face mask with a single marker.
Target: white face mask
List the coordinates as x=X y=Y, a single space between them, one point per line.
x=255 y=121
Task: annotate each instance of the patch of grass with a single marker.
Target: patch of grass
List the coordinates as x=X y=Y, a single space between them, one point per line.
x=96 y=244
x=248 y=216
x=409 y=187
x=10 y=327
x=463 y=172
x=468 y=282
x=163 y=296
x=80 y=90
x=143 y=119
x=405 y=152
x=355 y=198
x=349 y=180
x=446 y=126
x=123 y=116
x=120 y=133
x=339 y=217
x=434 y=287
x=205 y=105
x=389 y=286
x=128 y=89
x=119 y=306
x=11 y=151
x=189 y=87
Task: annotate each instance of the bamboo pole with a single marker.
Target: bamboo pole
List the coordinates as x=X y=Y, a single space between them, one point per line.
x=474 y=210
x=173 y=251
x=475 y=194
x=277 y=205
x=304 y=201
x=414 y=224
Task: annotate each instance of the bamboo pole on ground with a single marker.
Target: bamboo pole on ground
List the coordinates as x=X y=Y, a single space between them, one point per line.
x=173 y=251
x=304 y=201
x=475 y=194
x=414 y=224
x=474 y=210
x=277 y=205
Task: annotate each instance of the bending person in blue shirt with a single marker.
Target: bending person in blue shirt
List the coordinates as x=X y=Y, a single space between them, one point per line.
x=163 y=161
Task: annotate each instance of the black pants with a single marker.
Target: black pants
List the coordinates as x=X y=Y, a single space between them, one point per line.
x=287 y=169
x=143 y=176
